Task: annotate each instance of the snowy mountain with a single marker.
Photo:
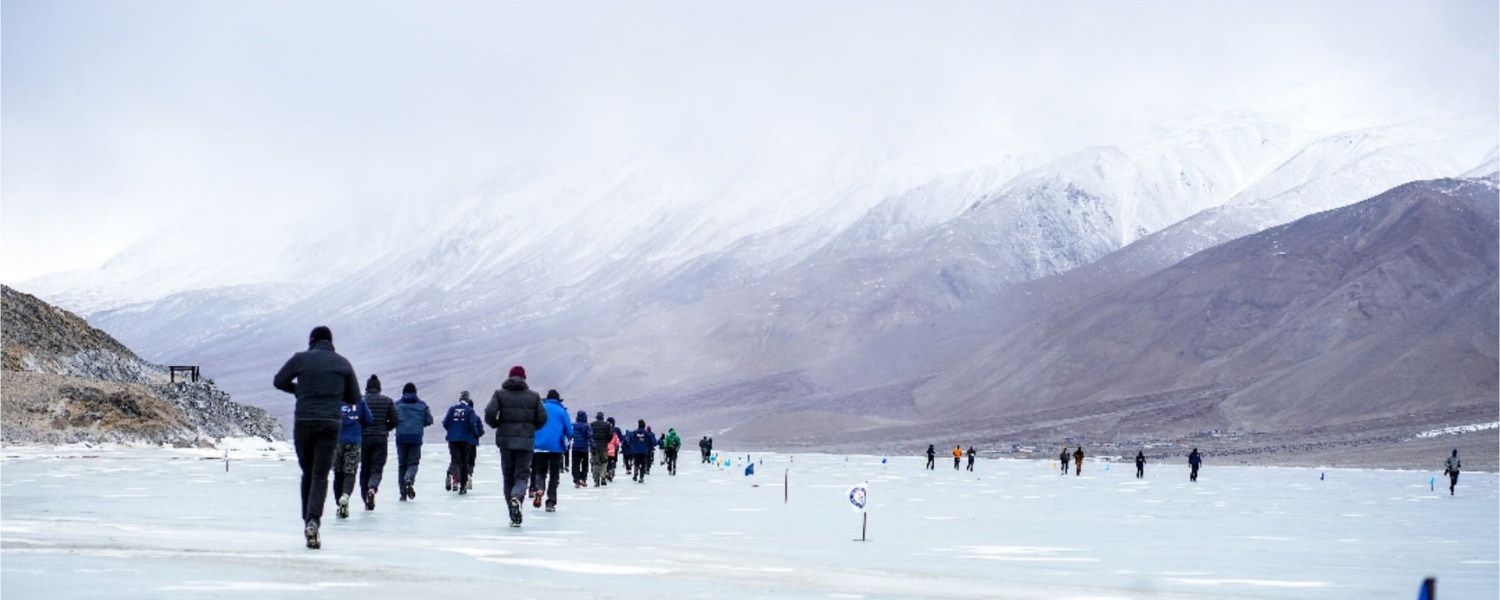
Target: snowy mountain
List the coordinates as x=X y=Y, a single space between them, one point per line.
x=649 y=278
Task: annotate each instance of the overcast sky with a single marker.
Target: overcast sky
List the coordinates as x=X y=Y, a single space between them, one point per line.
x=120 y=116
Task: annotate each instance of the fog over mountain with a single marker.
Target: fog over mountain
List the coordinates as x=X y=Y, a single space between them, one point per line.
x=733 y=216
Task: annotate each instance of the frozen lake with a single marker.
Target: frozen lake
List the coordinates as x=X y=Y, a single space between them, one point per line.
x=167 y=524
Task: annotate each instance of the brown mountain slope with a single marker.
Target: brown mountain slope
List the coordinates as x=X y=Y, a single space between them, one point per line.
x=63 y=381
x=1381 y=308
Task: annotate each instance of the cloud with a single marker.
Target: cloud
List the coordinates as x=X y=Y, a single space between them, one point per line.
x=123 y=118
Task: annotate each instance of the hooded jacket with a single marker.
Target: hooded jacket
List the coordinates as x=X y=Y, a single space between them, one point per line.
x=463 y=424
x=583 y=434
x=322 y=381
x=384 y=417
x=415 y=416
x=515 y=412
x=554 y=435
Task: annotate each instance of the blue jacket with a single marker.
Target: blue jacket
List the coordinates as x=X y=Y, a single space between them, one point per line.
x=415 y=416
x=624 y=442
x=641 y=441
x=352 y=421
x=583 y=434
x=554 y=436
x=463 y=424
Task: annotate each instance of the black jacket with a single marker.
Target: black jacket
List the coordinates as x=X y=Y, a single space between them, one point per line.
x=603 y=432
x=322 y=380
x=386 y=416
x=515 y=412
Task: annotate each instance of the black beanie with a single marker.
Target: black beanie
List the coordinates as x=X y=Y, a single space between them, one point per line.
x=409 y=388
x=321 y=333
x=552 y=395
x=372 y=384
x=464 y=398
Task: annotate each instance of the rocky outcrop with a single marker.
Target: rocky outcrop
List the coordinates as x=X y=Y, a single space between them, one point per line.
x=67 y=382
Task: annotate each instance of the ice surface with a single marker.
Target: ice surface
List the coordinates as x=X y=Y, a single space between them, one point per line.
x=158 y=523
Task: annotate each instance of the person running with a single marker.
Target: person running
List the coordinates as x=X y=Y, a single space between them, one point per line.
x=375 y=440
x=651 y=450
x=1195 y=460
x=603 y=437
x=346 y=457
x=322 y=381
x=617 y=449
x=1078 y=461
x=971 y=458
x=640 y=443
x=515 y=412
x=931 y=456
x=549 y=446
x=464 y=429
x=669 y=446
x=1450 y=469
x=958 y=455
x=415 y=417
x=1140 y=464
x=703 y=448
x=1065 y=458
x=580 y=450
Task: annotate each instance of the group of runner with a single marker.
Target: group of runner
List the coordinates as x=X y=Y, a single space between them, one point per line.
x=337 y=428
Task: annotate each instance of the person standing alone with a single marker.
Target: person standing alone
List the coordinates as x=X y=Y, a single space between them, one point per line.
x=515 y=412
x=1450 y=469
x=323 y=382
x=415 y=416
x=931 y=456
x=375 y=440
x=1195 y=460
x=464 y=429
x=1140 y=464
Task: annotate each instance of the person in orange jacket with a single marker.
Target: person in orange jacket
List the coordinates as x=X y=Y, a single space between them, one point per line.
x=958 y=454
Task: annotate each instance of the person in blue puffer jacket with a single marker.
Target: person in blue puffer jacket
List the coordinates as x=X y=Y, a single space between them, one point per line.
x=583 y=445
x=352 y=421
x=464 y=428
x=550 y=446
x=415 y=416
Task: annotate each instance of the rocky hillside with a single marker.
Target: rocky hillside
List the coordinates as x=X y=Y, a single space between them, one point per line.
x=67 y=382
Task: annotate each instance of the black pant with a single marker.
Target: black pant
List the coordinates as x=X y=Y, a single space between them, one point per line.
x=671 y=460
x=315 y=442
x=955 y=463
x=1193 y=476
x=460 y=458
x=1140 y=471
x=930 y=461
x=515 y=468
x=641 y=462
x=971 y=463
x=546 y=471
x=408 y=456
x=580 y=460
x=371 y=464
x=1452 y=481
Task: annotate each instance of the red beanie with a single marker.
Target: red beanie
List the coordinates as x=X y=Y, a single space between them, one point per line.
x=518 y=371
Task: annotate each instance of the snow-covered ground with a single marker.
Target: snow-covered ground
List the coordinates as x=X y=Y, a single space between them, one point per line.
x=157 y=523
